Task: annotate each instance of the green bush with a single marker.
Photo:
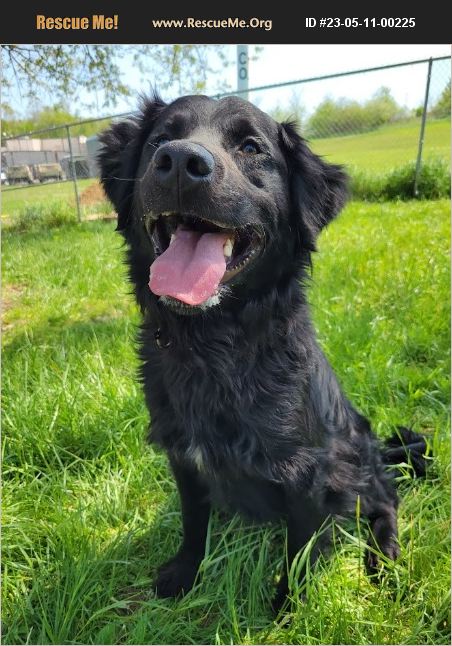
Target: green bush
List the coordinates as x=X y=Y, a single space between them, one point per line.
x=45 y=215
x=441 y=109
x=343 y=116
x=398 y=182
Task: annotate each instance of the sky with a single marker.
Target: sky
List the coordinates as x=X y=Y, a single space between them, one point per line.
x=280 y=63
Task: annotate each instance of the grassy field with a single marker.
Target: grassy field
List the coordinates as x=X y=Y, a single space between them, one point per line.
x=14 y=199
x=379 y=150
x=89 y=511
x=388 y=146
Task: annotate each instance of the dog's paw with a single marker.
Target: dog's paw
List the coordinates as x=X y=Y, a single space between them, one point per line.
x=176 y=577
x=374 y=564
x=279 y=602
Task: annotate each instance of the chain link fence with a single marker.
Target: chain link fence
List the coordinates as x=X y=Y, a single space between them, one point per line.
x=371 y=120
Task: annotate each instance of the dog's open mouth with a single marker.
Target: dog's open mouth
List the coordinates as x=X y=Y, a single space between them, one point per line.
x=195 y=257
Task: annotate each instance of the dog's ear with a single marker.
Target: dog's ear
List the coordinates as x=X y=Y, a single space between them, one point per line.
x=116 y=166
x=318 y=190
x=119 y=156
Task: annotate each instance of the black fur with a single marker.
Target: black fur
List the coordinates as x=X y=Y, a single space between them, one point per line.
x=242 y=398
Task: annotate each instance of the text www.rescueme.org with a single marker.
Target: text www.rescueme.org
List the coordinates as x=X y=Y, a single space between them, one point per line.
x=212 y=23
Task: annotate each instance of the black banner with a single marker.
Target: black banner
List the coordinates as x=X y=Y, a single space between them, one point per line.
x=308 y=23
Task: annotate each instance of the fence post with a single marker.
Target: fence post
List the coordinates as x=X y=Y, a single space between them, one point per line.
x=422 y=131
x=74 y=174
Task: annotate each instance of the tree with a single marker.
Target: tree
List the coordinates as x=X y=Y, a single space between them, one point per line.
x=48 y=117
x=334 y=117
x=293 y=110
x=61 y=71
x=441 y=109
x=383 y=108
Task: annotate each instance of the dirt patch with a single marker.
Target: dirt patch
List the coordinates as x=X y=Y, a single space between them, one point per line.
x=100 y=216
x=10 y=295
x=93 y=194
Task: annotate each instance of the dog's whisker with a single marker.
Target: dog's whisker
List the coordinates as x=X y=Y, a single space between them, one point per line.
x=119 y=179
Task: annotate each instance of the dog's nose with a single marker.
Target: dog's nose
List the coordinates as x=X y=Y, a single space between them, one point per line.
x=183 y=164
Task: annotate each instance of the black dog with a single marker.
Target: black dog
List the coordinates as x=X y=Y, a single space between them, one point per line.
x=220 y=207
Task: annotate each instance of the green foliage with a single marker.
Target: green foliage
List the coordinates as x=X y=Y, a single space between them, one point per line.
x=441 y=109
x=64 y=70
x=186 y=67
x=90 y=511
x=383 y=108
x=46 y=117
x=51 y=117
x=43 y=215
x=398 y=182
x=344 y=116
x=293 y=110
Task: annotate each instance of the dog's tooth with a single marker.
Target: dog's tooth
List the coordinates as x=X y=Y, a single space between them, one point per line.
x=227 y=248
x=172 y=239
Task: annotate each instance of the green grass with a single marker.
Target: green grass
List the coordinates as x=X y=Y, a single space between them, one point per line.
x=387 y=146
x=14 y=199
x=89 y=511
x=402 y=182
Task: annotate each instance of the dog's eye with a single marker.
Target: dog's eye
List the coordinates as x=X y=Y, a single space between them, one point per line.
x=160 y=141
x=250 y=147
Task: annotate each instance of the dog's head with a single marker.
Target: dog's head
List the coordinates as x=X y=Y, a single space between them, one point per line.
x=218 y=201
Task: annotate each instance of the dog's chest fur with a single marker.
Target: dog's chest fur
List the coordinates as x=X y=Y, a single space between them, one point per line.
x=232 y=409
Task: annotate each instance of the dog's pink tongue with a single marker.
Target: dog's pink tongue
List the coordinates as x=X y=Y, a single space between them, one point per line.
x=191 y=268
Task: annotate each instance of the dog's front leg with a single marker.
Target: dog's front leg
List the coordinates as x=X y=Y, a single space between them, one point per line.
x=178 y=574
x=304 y=519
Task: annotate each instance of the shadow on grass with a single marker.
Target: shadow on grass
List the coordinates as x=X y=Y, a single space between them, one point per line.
x=100 y=593
x=90 y=584
x=84 y=586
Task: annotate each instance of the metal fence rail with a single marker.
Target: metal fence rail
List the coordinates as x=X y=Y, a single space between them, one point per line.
x=358 y=118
